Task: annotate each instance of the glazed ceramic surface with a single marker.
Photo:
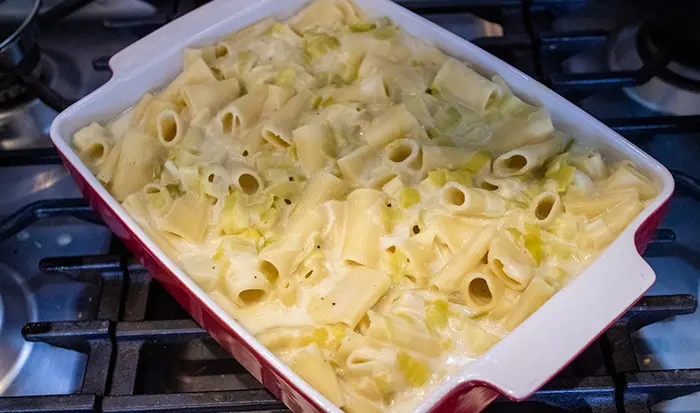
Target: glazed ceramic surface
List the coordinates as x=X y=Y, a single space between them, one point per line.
x=515 y=367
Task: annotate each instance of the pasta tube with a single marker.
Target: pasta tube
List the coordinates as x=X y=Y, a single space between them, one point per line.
x=320 y=13
x=197 y=73
x=277 y=131
x=393 y=124
x=351 y=341
x=314 y=147
x=227 y=46
x=351 y=297
x=471 y=201
x=109 y=165
x=546 y=207
x=523 y=160
x=322 y=187
x=507 y=188
x=188 y=218
x=364 y=227
x=245 y=284
x=202 y=269
x=137 y=163
x=157 y=198
x=511 y=263
x=149 y=120
x=404 y=154
x=94 y=144
x=311 y=365
x=592 y=207
x=284 y=338
x=191 y=56
x=520 y=131
x=453 y=231
x=212 y=96
x=356 y=403
x=139 y=110
x=592 y=164
x=244 y=112
x=450 y=157
x=280 y=258
x=606 y=226
x=170 y=128
x=468 y=256
x=530 y=300
x=477 y=340
x=245 y=179
x=368 y=90
x=371 y=361
x=461 y=83
x=482 y=291
x=419 y=260
x=277 y=96
x=216 y=181
x=626 y=176
x=405 y=334
x=357 y=163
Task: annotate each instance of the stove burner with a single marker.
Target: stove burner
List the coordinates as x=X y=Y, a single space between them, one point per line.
x=675 y=88
x=13 y=92
x=17 y=307
x=684 y=68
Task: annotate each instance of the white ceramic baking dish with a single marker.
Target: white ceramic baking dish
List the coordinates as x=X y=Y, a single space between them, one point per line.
x=519 y=364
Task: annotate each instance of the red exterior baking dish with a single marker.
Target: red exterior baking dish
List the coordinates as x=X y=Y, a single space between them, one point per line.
x=515 y=367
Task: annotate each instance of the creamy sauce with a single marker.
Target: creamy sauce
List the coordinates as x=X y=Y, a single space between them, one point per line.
x=404 y=139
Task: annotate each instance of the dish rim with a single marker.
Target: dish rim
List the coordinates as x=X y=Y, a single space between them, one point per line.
x=126 y=69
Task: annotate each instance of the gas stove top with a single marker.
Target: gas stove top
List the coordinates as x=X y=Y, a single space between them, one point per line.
x=83 y=328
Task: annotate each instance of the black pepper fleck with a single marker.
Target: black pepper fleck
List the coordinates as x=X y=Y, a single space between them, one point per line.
x=291 y=179
x=288 y=202
x=333 y=303
x=245 y=153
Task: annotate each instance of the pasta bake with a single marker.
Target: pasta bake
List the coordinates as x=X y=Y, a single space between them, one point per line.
x=377 y=213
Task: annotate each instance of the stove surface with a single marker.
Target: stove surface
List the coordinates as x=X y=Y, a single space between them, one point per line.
x=26 y=293
x=101 y=302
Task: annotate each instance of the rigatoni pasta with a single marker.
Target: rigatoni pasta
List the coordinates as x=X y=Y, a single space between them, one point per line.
x=377 y=213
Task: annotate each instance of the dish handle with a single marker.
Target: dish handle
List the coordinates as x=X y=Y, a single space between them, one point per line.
x=559 y=331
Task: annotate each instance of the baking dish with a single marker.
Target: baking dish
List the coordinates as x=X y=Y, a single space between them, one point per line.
x=516 y=366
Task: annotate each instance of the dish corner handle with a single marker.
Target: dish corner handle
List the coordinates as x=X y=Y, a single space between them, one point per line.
x=617 y=280
x=120 y=62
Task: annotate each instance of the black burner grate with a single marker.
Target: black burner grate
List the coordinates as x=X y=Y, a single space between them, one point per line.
x=12 y=91
x=146 y=355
